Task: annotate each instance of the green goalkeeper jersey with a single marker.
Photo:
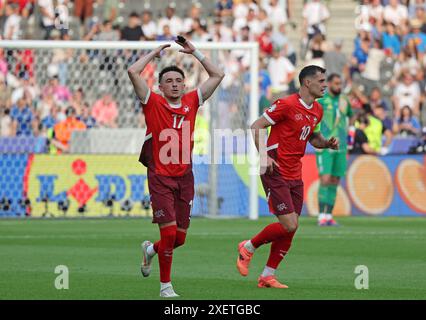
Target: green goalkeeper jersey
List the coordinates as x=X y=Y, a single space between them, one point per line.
x=335 y=121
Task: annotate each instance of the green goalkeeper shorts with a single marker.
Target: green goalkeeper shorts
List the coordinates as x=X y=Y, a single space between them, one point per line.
x=331 y=162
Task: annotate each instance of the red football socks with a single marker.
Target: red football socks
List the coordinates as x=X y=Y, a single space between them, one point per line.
x=180 y=240
x=165 y=251
x=279 y=249
x=270 y=233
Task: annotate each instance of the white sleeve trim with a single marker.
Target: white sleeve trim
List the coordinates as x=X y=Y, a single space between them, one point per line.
x=147 y=97
x=200 y=97
x=274 y=146
x=147 y=137
x=269 y=118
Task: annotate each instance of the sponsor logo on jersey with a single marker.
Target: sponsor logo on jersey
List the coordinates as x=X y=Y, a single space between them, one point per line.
x=308 y=117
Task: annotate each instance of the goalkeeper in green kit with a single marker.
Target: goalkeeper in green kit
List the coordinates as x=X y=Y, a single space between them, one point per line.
x=332 y=163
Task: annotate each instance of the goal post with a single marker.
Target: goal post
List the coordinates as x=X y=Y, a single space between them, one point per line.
x=99 y=68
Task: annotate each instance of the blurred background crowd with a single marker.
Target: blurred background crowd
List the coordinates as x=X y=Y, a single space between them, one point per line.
x=383 y=75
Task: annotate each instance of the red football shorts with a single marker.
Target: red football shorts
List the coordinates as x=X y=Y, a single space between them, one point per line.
x=171 y=198
x=283 y=196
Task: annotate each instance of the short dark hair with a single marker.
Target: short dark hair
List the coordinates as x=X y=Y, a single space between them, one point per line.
x=332 y=76
x=309 y=71
x=168 y=69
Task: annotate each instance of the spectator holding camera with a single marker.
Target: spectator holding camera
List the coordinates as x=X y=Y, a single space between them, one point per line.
x=407 y=124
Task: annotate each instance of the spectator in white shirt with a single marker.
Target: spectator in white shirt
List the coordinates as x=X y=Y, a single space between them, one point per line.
x=11 y=26
x=253 y=23
x=48 y=16
x=220 y=32
x=173 y=21
x=315 y=13
x=407 y=93
x=281 y=71
x=148 y=26
x=276 y=13
x=375 y=10
x=396 y=13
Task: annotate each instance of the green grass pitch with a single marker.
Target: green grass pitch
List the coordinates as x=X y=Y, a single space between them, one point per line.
x=103 y=257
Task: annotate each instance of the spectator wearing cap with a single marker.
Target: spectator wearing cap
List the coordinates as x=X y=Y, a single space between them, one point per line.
x=12 y=25
x=407 y=123
x=170 y=19
x=133 y=30
x=417 y=35
x=149 y=27
x=105 y=111
x=335 y=60
x=390 y=39
x=281 y=71
x=63 y=130
x=23 y=120
x=396 y=13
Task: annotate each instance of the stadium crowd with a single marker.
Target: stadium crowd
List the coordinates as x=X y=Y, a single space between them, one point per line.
x=384 y=76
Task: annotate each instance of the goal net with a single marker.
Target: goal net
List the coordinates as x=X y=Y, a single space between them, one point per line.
x=96 y=171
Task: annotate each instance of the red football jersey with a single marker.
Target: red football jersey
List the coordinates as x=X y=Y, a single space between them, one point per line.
x=168 y=141
x=293 y=123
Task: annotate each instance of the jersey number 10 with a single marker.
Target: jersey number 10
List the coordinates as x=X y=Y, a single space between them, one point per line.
x=305 y=132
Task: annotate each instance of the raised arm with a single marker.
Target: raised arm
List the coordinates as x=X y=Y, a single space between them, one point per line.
x=134 y=71
x=215 y=74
